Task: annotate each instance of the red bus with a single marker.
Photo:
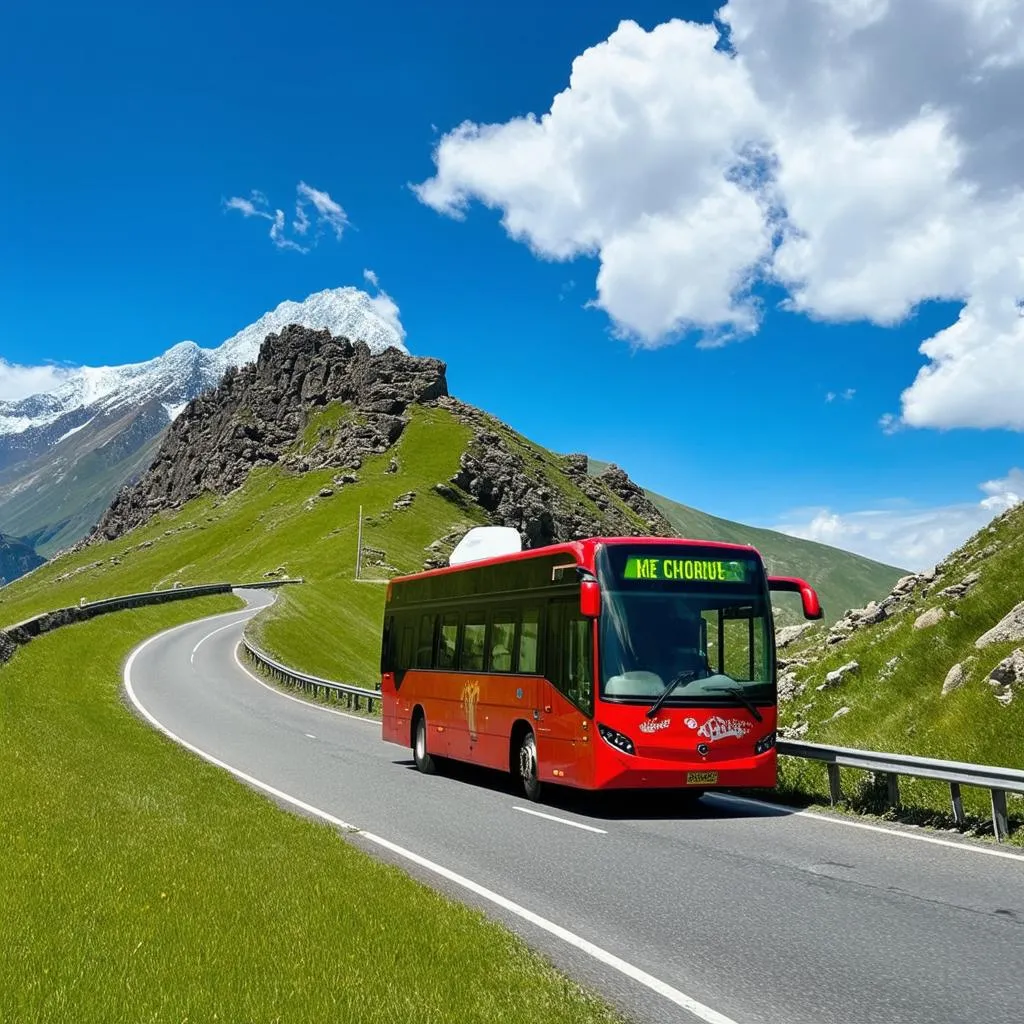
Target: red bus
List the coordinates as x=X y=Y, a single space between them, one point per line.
x=606 y=663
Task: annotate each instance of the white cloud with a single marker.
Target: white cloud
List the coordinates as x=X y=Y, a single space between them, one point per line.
x=327 y=214
x=327 y=210
x=18 y=381
x=846 y=395
x=912 y=538
x=382 y=303
x=866 y=156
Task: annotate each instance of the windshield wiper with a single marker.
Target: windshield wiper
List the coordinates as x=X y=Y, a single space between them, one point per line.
x=741 y=697
x=676 y=680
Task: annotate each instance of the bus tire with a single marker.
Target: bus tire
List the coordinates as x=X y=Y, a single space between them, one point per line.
x=527 y=765
x=424 y=760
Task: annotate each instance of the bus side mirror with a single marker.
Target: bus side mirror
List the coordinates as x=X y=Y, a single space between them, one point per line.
x=590 y=599
x=794 y=585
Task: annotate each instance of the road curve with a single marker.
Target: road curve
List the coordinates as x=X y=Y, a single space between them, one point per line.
x=732 y=912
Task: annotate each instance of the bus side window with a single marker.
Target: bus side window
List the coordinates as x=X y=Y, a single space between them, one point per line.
x=447 y=638
x=387 y=646
x=425 y=642
x=406 y=646
x=471 y=655
x=529 y=634
x=502 y=641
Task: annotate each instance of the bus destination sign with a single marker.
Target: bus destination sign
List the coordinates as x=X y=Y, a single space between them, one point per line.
x=707 y=569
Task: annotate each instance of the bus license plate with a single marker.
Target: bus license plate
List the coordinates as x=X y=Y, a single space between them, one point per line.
x=701 y=778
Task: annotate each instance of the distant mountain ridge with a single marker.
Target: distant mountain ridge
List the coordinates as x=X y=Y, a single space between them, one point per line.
x=65 y=454
x=16 y=559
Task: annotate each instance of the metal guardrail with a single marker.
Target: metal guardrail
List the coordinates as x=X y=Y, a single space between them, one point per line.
x=20 y=633
x=998 y=781
x=354 y=695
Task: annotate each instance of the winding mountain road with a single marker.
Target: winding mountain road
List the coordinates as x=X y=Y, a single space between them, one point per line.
x=735 y=911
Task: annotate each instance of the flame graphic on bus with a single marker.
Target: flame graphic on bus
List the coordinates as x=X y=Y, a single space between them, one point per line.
x=470 y=697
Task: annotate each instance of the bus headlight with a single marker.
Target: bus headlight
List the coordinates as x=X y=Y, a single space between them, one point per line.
x=765 y=744
x=616 y=739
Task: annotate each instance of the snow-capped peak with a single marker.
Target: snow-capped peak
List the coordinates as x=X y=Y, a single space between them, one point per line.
x=186 y=369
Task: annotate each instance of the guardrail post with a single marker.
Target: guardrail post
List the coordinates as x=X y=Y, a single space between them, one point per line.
x=1000 y=820
x=958 y=804
x=835 y=791
x=892 y=786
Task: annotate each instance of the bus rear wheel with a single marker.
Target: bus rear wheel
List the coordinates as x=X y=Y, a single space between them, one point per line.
x=424 y=761
x=528 y=767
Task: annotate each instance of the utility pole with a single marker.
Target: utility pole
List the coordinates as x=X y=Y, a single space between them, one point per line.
x=359 y=544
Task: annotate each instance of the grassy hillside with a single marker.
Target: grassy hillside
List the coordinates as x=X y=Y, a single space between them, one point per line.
x=279 y=522
x=894 y=700
x=843 y=580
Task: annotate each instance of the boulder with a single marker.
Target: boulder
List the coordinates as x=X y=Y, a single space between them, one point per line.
x=1010 y=671
x=954 y=679
x=1009 y=629
x=838 y=677
x=788 y=634
x=929 y=618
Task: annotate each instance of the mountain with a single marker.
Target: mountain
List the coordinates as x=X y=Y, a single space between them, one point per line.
x=64 y=454
x=16 y=558
x=316 y=451
x=268 y=414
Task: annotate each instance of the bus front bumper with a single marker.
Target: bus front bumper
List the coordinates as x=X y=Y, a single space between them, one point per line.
x=621 y=771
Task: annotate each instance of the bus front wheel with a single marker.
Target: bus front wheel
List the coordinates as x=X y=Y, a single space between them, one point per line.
x=528 y=767
x=424 y=761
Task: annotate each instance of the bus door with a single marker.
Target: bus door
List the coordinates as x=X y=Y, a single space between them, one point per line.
x=564 y=727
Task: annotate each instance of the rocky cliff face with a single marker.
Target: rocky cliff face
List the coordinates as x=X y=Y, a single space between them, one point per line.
x=258 y=416
x=546 y=497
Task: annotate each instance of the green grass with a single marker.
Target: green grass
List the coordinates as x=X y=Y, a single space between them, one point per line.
x=324 y=422
x=902 y=709
x=142 y=884
x=330 y=626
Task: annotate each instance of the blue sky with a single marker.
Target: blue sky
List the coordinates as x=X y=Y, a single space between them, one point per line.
x=128 y=127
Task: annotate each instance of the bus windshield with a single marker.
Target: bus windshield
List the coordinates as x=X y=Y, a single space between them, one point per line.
x=683 y=618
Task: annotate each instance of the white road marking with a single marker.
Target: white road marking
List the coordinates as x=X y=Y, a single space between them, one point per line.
x=691 y=1005
x=969 y=847
x=192 y=659
x=310 y=736
x=564 y=821
x=298 y=700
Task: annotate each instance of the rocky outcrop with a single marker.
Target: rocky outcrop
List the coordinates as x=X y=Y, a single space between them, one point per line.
x=519 y=487
x=788 y=634
x=1008 y=676
x=838 y=677
x=257 y=415
x=1009 y=629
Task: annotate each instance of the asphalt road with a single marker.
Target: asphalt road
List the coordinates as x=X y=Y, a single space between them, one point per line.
x=731 y=912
